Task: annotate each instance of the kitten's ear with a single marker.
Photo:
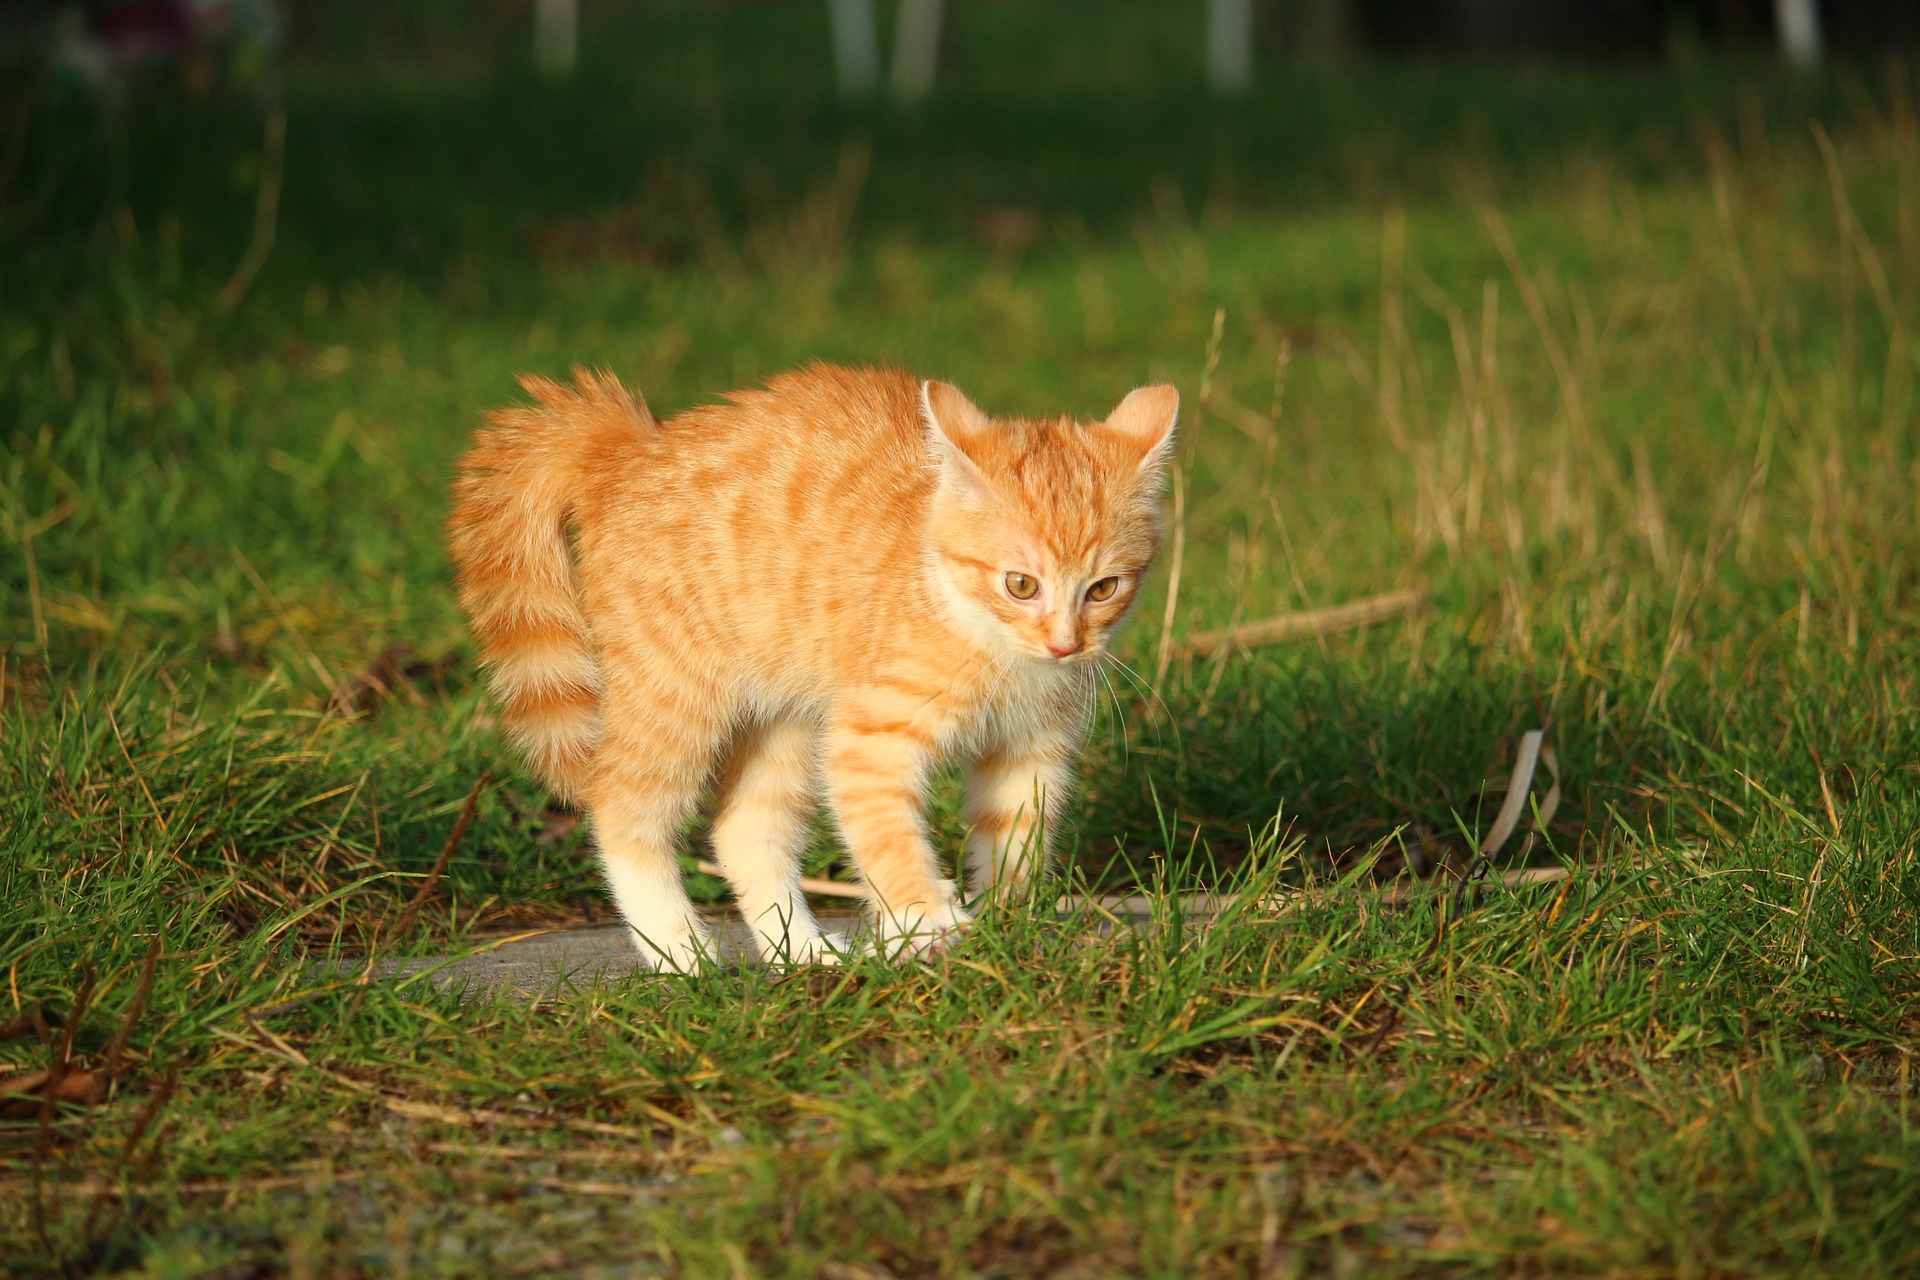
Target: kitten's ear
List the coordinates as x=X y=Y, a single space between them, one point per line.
x=955 y=427
x=1145 y=420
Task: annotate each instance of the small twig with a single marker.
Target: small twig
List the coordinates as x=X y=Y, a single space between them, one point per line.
x=446 y=854
x=43 y=1137
x=63 y=1053
x=155 y=1104
x=1308 y=622
x=110 y=1066
x=1387 y=1024
x=823 y=888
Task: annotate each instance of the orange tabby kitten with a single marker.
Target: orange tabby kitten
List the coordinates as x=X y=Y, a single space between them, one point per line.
x=827 y=584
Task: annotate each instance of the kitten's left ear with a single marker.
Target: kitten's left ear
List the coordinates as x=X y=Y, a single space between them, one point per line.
x=1145 y=420
x=955 y=427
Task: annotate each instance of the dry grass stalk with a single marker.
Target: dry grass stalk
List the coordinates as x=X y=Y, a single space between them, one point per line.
x=432 y=881
x=1189 y=440
x=266 y=212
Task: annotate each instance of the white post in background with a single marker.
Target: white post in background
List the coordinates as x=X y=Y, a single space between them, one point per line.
x=856 y=47
x=1798 y=25
x=916 y=49
x=1230 y=45
x=556 y=37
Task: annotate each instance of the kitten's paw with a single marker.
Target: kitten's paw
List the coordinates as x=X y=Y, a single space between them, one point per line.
x=914 y=932
x=821 y=948
x=831 y=949
x=684 y=951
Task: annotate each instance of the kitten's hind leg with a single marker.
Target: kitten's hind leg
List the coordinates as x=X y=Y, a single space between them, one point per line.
x=646 y=779
x=1013 y=798
x=765 y=793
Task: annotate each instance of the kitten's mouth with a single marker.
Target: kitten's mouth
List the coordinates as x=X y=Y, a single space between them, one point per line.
x=1084 y=653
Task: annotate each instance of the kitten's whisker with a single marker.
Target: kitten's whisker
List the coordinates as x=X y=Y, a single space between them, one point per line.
x=1119 y=711
x=1140 y=683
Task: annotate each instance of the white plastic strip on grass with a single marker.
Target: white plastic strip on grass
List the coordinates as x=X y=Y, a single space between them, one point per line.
x=1534 y=749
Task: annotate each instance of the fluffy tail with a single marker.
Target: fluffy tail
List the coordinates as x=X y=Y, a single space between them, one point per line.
x=513 y=502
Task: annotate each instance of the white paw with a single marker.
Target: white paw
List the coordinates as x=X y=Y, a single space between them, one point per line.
x=918 y=931
x=818 y=948
x=682 y=951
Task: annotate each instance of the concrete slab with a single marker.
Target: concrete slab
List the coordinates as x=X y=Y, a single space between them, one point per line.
x=541 y=962
x=538 y=963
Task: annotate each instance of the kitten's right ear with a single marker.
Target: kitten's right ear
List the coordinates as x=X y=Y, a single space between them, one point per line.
x=1145 y=420
x=955 y=427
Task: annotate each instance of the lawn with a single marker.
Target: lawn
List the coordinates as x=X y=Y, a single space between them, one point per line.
x=1614 y=365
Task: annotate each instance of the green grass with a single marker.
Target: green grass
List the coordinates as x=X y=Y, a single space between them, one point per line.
x=1617 y=364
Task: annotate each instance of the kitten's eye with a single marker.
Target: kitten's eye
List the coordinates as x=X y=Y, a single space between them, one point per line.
x=1103 y=589
x=1021 y=587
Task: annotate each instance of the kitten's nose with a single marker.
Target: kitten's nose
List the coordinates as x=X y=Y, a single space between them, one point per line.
x=1063 y=648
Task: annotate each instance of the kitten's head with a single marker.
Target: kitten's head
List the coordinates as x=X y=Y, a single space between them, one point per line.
x=1043 y=530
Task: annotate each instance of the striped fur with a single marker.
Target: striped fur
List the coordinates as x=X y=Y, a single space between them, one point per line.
x=802 y=594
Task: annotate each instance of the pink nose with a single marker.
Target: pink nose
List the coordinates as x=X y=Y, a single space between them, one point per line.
x=1063 y=648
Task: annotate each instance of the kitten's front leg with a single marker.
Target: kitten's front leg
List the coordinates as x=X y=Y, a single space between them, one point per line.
x=1014 y=797
x=876 y=773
